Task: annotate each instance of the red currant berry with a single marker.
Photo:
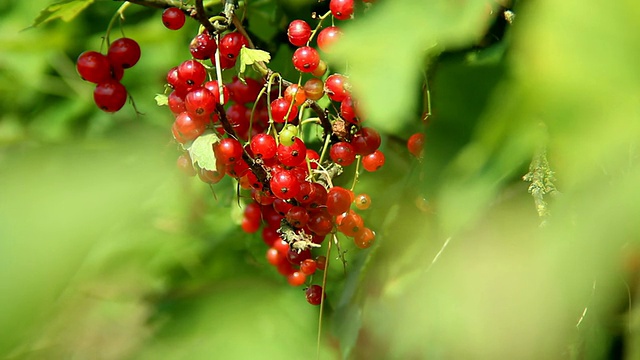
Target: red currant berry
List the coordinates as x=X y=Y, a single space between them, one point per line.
x=238 y=169
x=94 y=67
x=338 y=200
x=237 y=116
x=348 y=110
x=314 y=294
x=124 y=52
x=250 y=226
x=318 y=196
x=176 y=103
x=320 y=222
x=214 y=87
x=365 y=141
x=280 y=108
x=306 y=59
x=314 y=89
x=341 y=9
x=299 y=32
x=313 y=157
x=110 y=96
x=263 y=146
x=281 y=206
x=337 y=87
x=364 y=238
x=281 y=245
x=188 y=127
x=203 y=46
x=321 y=262
x=294 y=93
x=231 y=43
x=270 y=235
x=295 y=257
x=173 y=18
x=274 y=257
x=243 y=93
x=308 y=266
x=200 y=102
x=327 y=37
x=292 y=155
x=373 y=161
x=185 y=165
x=271 y=217
x=349 y=223
x=415 y=144
x=229 y=150
x=284 y=185
x=191 y=73
x=342 y=153
x=212 y=177
x=296 y=278
x=362 y=201
x=297 y=216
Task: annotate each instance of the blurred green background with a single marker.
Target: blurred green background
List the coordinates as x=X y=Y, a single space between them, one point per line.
x=109 y=252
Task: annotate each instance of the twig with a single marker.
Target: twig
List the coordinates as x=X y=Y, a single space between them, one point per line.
x=201 y=16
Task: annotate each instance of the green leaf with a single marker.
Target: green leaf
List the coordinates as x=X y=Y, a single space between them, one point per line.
x=201 y=151
x=251 y=56
x=65 y=10
x=162 y=99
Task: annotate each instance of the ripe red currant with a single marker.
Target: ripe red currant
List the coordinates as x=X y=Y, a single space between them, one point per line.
x=415 y=144
x=362 y=201
x=297 y=278
x=203 y=46
x=338 y=200
x=364 y=238
x=292 y=155
x=263 y=146
x=124 y=52
x=231 y=43
x=110 y=96
x=200 y=102
x=243 y=93
x=320 y=222
x=299 y=32
x=274 y=257
x=342 y=153
x=373 y=161
x=365 y=141
x=349 y=223
x=188 y=127
x=294 y=93
x=280 y=107
x=314 y=294
x=337 y=87
x=341 y=9
x=327 y=37
x=284 y=184
x=94 y=67
x=229 y=150
x=173 y=18
x=308 y=266
x=295 y=257
x=306 y=59
x=297 y=216
x=191 y=73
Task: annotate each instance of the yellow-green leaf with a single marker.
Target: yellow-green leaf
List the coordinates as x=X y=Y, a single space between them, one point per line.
x=251 y=56
x=162 y=99
x=201 y=151
x=65 y=10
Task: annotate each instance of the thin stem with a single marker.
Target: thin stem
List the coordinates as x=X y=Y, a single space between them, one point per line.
x=201 y=15
x=357 y=174
x=324 y=284
x=118 y=15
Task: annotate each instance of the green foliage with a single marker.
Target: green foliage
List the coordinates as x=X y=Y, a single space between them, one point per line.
x=252 y=56
x=66 y=10
x=201 y=151
x=109 y=253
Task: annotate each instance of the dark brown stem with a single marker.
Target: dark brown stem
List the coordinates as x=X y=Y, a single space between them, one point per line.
x=163 y=4
x=201 y=16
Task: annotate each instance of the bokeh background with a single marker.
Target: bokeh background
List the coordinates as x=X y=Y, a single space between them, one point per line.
x=107 y=251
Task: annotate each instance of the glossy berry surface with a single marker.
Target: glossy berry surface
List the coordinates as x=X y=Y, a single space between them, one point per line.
x=314 y=294
x=191 y=73
x=327 y=37
x=173 y=18
x=373 y=161
x=231 y=43
x=292 y=155
x=200 y=102
x=203 y=46
x=362 y=201
x=229 y=151
x=284 y=185
x=188 y=127
x=263 y=146
x=415 y=144
x=341 y=9
x=94 y=67
x=365 y=141
x=336 y=87
x=298 y=32
x=124 y=52
x=342 y=153
x=110 y=96
x=364 y=238
x=306 y=59
x=338 y=200
x=314 y=89
x=283 y=110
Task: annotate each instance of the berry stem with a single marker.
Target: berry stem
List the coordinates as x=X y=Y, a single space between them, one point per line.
x=201 y=16
x=357 y=173
x=324 y=284
x=118 y=15
x=321 y=18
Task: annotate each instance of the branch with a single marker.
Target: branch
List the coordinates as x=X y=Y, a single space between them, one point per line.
x=163 y=4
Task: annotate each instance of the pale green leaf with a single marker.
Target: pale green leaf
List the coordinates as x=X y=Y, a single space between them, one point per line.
x=65 y=10
x=162 y=99
x=201 y=151
x=251 y=56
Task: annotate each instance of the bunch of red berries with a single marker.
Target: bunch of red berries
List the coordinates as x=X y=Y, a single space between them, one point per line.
x=257 y=139
x=106 y=71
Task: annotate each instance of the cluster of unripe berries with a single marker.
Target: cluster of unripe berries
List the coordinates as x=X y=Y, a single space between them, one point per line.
x=106 y=71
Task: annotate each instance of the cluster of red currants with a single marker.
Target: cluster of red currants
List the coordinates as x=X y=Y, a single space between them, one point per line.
x=259 y=142
x=106 y=71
